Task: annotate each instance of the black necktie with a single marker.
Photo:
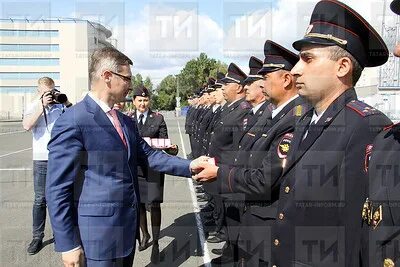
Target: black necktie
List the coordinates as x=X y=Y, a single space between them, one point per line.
x=312 y=131
x=141 y=119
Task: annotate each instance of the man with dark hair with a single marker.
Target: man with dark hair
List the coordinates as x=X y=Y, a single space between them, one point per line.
x=92 y=186
x=324 y=182
x=223 y=148
x=257 y=175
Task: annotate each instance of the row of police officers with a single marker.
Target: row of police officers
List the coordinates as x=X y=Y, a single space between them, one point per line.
x=305 y=174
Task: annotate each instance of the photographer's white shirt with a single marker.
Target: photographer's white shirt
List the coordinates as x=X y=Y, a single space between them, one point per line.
x=40 y=133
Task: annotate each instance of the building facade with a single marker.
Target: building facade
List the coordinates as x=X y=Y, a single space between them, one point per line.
x=58 y=48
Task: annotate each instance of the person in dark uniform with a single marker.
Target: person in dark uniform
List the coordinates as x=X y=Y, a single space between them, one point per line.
x=253 y=86
x=258 y=176
x=223 y=148
x=189 y=116
x=381 y=210
x=214 y=217
x=151 y=183
x=324 y=182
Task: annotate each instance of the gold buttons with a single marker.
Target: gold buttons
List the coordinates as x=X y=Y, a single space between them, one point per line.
x=276 y=242
x=281 y=216
x=287 y=189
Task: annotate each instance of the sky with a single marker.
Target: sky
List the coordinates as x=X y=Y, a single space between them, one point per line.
x=161 y=36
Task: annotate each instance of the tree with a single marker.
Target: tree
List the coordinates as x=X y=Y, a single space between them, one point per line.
x=193 y=75
x=166 y=92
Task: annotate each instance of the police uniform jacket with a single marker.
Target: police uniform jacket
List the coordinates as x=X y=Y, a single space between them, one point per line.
x=259 y=180
x=324 y=185
x=251 y=119
x=210 y=127
x=226 y=132
x=188 y=121
x=153 y=127
x=382 y=217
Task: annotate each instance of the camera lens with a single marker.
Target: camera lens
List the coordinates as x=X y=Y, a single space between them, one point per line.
x=60 y=98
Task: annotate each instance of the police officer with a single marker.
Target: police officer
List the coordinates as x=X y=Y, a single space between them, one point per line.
x=259 y=177
x=381 y=211
x=253 y=86
x=324 y=182
x=151 y=183
x=222 y=146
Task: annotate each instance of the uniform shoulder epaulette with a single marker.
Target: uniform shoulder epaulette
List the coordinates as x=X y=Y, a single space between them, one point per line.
x=362 y=108
x=245 y=105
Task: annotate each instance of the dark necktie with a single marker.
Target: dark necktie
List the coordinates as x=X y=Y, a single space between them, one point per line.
x=141 y=119
x=312 y=132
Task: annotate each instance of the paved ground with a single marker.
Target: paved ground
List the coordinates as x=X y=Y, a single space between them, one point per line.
x=180 y=243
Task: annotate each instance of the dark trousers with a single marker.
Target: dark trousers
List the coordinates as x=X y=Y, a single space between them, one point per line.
x=39 y=204
x=118 y=262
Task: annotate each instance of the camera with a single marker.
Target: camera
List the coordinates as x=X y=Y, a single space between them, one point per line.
x=57 y=97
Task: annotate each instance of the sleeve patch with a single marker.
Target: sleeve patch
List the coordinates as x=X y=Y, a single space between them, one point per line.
x=284 y=145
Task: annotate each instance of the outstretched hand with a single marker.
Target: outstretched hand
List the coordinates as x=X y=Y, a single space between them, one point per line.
x=195 y=165
x=208 y=172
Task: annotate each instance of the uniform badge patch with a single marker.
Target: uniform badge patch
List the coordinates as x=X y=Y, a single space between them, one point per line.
x=284 y=145
x=368 y=151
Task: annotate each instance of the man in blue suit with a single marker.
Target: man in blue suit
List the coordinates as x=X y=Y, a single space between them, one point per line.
x=92 y=187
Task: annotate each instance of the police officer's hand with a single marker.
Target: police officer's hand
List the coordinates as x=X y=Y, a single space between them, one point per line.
x=47 y=98
x=195 y=164
x=74 y=258
x=208 y=174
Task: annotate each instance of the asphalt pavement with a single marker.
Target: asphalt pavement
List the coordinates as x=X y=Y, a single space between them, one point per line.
x=180 y=241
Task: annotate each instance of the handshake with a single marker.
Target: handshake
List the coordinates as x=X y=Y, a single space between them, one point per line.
x=204 y=169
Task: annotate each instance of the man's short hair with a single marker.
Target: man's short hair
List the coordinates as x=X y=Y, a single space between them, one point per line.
x=337 y=53
x=107 y=58
x=46 y=81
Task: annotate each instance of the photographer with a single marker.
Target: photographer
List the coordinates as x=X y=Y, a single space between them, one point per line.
x=39 y=117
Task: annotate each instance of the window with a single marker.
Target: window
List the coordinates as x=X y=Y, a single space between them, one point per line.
x=28 y=75
x=29 y=33
x=30 y=47
x=29 y=61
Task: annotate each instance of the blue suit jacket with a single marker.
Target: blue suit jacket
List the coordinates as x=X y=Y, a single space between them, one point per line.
x=92 y=190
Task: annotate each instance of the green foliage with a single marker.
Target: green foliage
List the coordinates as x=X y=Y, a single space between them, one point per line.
x=194 y=74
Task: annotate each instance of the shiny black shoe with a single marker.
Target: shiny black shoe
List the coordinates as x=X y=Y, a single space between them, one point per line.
x=35 y=246
x=217 y=239
x=155 y=254
x=217 y=251
x=144 y=243
x=200 y=190
x=203 y=197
